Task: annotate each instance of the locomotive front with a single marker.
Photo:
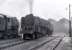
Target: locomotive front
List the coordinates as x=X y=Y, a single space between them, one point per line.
x=27 y=24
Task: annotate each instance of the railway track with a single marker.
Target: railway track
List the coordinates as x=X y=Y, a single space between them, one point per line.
x=39 y=47
x=8 y=41
x=5 y=40
x=57 y=44
x=11 y=43
x=34 y=47
x=39 y=44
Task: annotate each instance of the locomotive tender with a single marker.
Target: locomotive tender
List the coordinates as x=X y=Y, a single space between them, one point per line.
x=8 y=27
x=34 y=27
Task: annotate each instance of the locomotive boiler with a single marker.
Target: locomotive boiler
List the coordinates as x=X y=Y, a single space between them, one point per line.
x=33 y=27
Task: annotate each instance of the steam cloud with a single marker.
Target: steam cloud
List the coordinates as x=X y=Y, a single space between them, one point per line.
x=30 y=2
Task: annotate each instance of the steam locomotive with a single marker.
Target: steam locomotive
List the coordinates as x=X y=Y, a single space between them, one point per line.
x=33 y=27
x=8 y=27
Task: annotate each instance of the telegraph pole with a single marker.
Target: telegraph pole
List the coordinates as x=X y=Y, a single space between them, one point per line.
x=70 y=21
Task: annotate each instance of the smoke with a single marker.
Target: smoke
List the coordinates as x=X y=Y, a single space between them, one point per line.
x=30 y=2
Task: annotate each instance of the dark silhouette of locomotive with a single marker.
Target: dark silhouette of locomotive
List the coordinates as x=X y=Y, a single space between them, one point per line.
x=33 y=27
x=8 y=27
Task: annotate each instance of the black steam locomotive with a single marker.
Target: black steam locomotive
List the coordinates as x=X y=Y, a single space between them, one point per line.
x=8 y=27
x=33 y=27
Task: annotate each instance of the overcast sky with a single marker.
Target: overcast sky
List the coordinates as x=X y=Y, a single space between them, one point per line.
x=55 y=9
